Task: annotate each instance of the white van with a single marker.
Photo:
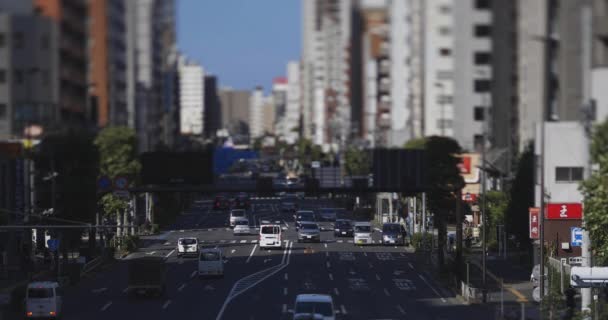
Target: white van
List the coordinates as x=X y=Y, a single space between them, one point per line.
x=270 y=236
x=43 y=300
x=314 y=306
x=187 y=246
x=235 y=215
x=363 y=233
x=211 y=263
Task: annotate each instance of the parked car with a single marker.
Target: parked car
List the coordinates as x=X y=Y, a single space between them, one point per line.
x=187 y=246
x=43 y=300
x=241 y=227
x=309 y=231
x=363 y=233
x=211 y=263
x=343 y=228
x=288 y=207
x=314 y=306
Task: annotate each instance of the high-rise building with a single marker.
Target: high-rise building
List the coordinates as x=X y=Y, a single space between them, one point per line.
x=192 y=97
x=107 y=62
x=235 y=106
x=213 y=109
x=29 y=71
x=291 y=120
x=144 y=72
x=256 y=113
x=599 y=59
x=170 y=76
x=269 y=115
x=71 y=18
x=279 y=95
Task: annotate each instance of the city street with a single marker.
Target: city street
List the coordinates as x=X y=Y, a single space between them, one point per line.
x=369 y=282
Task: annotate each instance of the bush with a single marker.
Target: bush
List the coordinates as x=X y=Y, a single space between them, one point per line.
x=421 y=240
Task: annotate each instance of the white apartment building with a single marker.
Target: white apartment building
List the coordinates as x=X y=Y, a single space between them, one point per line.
x=191 y=97
x=439 y=68
x=399 y=52
x=291 y=120
x=256 y=113
x=472 y=70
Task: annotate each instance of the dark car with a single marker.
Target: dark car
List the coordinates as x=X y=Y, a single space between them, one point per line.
x=309 y=231
x=304 y=215
x=343 y=228
x=328 y=214
x=393 y=233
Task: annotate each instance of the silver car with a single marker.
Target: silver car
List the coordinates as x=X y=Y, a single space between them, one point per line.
x=309 y=231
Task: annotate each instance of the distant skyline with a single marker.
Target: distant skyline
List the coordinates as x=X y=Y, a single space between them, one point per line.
x=244 y=43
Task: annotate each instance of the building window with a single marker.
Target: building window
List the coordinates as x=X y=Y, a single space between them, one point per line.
x=478 y=142
x=482 y=58
x=445 y=99
x=2 y=40
x=2 y=111
x=568 y=174
x=18 y=40
x=444 y=52
x=444 y=123
x=478 y=113
x=2 y=76
x=482 y=85
x=445 y=9
x=482 y=4
x=445 y=31
x=445 y=75
x=482 y=30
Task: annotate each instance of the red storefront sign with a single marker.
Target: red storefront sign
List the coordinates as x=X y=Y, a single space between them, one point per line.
x=534 y=223
x=469 y=197
x=561 y=211
x=465 y=165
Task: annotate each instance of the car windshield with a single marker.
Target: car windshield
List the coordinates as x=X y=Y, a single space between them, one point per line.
x=343 y=224
x=323 y=308
x=310 y=226
x=238 y=213
x=270 y=230
x=242 y=223
x=210 y=256
x=393 y=228
x=187 y=241
x=305 y=216
x=39 y=293
x=363 y=229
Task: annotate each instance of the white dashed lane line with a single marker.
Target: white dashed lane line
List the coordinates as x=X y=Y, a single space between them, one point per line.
x=106 y=306
x=331 y=277
x=401 y=310
x=378 y=277
x=166 y=304
x=388 y=294
x=336 y=292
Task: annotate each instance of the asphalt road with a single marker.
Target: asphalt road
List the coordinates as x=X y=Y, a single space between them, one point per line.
x=369 y=282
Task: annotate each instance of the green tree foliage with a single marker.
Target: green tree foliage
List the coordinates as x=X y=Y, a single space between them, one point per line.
x=118 y=157
x=357 y=162
x=595 y=192
x=444 y=181
x=74 y=158
x=521 y=198
x=496 y=207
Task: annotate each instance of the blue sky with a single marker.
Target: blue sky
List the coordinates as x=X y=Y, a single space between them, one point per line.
x=244 y=42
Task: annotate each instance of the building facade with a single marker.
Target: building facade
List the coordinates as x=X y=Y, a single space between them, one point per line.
x=235 y=106
x=213 y=111
x=256 y=113
x=107 y=62
x=191 y=96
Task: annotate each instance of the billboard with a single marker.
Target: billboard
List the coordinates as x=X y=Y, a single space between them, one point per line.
x=534 y=223
x=161 y=168
x=564 y=211
x=399 y=170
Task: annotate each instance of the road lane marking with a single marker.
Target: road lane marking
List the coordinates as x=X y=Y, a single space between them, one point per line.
x=150 y=253
x=180 y=262
x=331 y=277
x=378 y=230
x=166 y=304
x=193 y=274
x=222 y=241
x=286 y=276
x=254 y=241
x=343 y=309
x=377 y=277
x=106 y=306
x=429 y=285
x=370 y=264
x=340 y=241
x=402 y=254
x=125 y=290
x=325 y=244
x=233 y=241
x=411 y=266
x=100 y=290
x=243 y=241
x=232 y=251
x=284 y=308
x=328 y=264
x=515 y=292
x=365 y=254
x=400 y=308
x=284 y=291
x=336 y=291
x=181 y=287
x=210 y=230
x=181 y=230
x=170 y=253
x=251 y=254
x=327 y=253
x=388 y=294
